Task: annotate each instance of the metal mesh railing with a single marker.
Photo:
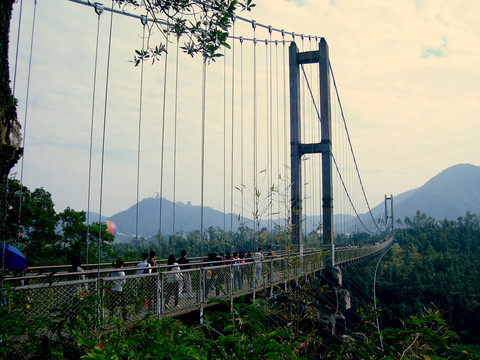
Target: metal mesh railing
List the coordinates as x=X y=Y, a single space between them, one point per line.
x=168 y=292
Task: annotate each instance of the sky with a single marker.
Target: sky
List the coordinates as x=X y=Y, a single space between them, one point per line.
x=407 y=74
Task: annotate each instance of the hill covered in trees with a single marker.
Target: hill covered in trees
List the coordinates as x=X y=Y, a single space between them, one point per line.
x=448 y=195
x=437 y=265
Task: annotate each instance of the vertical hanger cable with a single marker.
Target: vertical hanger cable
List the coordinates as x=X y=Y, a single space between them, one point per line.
x=175 y=140
x=99 y=251
x=224 y=147
x=25 y=120
x=144 y=23
x=162 y=152
x=98 y=11
x=233 y=132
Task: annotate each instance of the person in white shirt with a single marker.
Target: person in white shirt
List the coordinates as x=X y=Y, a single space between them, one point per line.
x=116 y=292
x=144 y=264
x=173 y=276
x=257 y=260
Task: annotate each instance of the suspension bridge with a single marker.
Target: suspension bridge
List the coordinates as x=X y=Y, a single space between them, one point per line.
x=261 y=131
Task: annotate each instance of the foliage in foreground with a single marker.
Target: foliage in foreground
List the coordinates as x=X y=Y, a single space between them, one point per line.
x=419 y=337
x=248 y=333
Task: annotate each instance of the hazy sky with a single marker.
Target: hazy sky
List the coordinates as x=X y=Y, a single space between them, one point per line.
x=407 y=72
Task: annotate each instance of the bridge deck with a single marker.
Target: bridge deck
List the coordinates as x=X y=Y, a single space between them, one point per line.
x=167 y=293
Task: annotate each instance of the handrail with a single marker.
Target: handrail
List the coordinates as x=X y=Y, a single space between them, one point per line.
x=166 y=292
x=53 y=271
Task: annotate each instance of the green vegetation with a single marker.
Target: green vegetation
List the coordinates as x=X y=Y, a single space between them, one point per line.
x=427 y=290
x=437 y=263
x=49 y=238
x=435 y=266
x=265 y=329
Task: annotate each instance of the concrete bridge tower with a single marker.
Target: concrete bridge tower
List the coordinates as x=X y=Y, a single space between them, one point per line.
x=298 y=149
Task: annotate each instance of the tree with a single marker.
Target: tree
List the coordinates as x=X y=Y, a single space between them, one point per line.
x=434 y=264
x=204 y=24
x=10 y=138
x=12 y=209
x=106 y=241
x=74 y=230
x=47 y=237
x=34 y=225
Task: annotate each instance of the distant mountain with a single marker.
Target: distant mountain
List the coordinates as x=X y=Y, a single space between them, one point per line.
x=448 y=195
x=187 y=217
x=93 y=217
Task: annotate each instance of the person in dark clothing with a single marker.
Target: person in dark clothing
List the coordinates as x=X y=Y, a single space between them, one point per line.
x=151 y=260
x=77 y=290
x=182 y=261
x=76 y=268
x=210 y=275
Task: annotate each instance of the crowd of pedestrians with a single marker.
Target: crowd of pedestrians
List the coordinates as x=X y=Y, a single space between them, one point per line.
x=178 y=283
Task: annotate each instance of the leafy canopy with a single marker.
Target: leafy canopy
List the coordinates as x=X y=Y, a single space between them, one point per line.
x=203 y=23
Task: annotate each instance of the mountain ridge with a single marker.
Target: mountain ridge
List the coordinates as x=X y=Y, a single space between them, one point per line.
x=447 y=195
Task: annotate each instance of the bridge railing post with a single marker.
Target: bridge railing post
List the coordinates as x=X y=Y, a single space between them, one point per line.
x=158 y=293
x=100 y=291
x=161 y=308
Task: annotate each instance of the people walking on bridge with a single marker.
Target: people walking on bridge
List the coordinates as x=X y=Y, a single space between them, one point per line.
x=186 y=282
x=143 y=293
x=237 y=270
x=78 y=290
x=153 y=263
x=172 y=280
x=270 y=251
x=258 y=260
x=144 y=264
x=117 y=299
x=76 y=268
x=153 y=284
x=211 y=274
x=225 y=272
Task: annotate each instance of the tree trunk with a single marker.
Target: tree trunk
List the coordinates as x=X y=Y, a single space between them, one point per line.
x=10 y=137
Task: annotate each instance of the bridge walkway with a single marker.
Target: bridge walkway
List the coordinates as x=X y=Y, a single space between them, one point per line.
x=169 y=293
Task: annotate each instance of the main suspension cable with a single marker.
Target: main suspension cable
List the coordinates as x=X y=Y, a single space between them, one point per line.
x=165 y=23
x=351 y=149
x=16 y=50
x=335 y=162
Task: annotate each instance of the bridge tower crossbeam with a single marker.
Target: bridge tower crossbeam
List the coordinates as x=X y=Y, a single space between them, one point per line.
x=298 y=149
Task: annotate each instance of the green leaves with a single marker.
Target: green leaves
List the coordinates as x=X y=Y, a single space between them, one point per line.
x=203 y=24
